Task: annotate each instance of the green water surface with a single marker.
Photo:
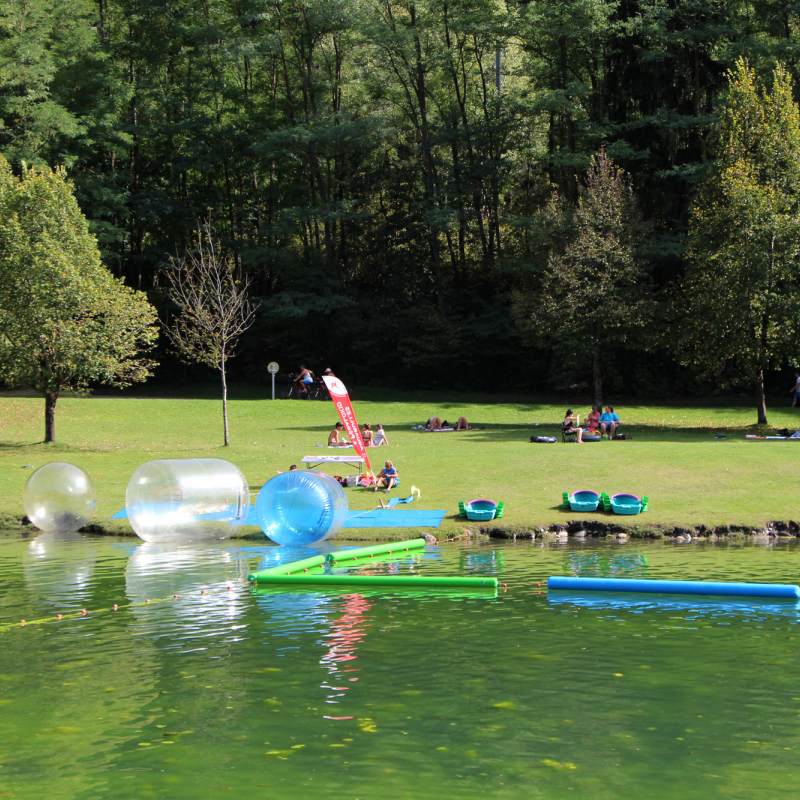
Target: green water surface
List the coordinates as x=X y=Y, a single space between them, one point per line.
x=367 y=695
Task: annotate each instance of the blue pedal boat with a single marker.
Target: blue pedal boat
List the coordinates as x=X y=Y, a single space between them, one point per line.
x=585 y=500
x=481 y=510
x=628 y=504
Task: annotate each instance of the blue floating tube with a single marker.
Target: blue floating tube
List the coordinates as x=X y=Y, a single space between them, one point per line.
x=675 y=587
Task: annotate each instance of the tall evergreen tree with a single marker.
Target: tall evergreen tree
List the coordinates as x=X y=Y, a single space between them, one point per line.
x=595 y=292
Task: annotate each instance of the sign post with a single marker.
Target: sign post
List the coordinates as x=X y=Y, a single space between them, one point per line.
x=272 y=368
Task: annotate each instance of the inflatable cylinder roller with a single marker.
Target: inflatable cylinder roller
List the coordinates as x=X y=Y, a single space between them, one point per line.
x=374 y=550
x=289 y=569
x=675 y=587
x=411 y=581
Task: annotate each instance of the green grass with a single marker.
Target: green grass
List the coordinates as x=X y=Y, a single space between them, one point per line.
x=690 y=477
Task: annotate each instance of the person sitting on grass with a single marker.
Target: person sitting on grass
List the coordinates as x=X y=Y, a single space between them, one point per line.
x=380 y=437
x=387 y=477
x=570 y=425
x=463 y=425
x=367 y=435
x=609 y=422
x=333 y=438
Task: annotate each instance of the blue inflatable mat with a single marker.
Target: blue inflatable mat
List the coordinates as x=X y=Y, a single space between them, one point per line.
x=361 y=519
x=394 y=519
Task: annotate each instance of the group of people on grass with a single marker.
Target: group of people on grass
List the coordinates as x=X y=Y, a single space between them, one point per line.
x=598 y=423
x=370 y=438
x=436 y=424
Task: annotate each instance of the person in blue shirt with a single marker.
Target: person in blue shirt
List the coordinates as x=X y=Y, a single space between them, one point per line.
x=796 y=389
x=387 y=477
x=609 y=422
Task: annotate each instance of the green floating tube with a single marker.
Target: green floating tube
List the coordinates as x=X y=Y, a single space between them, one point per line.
x=288 y=569
x=375 y=550
x=410 y=581
x=423 y=592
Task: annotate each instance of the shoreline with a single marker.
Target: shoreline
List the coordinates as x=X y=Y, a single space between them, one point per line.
x=592 y=529
x=575 y=529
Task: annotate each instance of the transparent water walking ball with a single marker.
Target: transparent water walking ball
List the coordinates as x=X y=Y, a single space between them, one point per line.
x=187 y=500
x=59 y=497
x=299 y=508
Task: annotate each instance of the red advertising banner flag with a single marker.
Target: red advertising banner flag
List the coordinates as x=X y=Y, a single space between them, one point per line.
x=345 y=408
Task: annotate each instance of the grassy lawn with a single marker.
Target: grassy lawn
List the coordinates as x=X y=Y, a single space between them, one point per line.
x=690 y=477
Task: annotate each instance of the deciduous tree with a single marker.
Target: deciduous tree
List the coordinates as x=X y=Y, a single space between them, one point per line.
x=65 y=321
x=742 y=288
x=215 y=308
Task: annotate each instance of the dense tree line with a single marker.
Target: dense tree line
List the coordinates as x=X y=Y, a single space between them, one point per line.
x=385 y=170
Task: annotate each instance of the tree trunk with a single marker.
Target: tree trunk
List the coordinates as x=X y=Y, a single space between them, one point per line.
x=597 y=373
x=224 y=401
x=761 y=400
x=50 y=399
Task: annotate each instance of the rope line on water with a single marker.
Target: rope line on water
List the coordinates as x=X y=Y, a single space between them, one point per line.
x=73 y=615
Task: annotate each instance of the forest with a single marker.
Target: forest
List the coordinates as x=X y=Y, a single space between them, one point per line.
x=409 y=185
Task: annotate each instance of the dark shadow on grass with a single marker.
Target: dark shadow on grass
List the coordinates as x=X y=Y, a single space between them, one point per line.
x=50 y=447
x=437 y=399
x=495 y=433
x=640 y=433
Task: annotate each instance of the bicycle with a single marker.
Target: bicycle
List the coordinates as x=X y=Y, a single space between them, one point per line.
x=292 y=392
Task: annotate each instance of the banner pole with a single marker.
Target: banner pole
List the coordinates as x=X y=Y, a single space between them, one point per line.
x=341 y=400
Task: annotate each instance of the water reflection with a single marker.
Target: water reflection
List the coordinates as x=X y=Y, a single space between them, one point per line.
x=482 y=562
x=703 y=605
x=606 y=565
x=207 y=577
x=277 y=556
x=346 y=634
x=58 y=569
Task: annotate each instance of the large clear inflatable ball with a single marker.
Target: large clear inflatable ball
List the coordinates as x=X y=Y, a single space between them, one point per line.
x=59 y=497
x=300 y=508
x=187 y=500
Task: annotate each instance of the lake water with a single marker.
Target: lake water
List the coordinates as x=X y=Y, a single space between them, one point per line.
x=367 y=695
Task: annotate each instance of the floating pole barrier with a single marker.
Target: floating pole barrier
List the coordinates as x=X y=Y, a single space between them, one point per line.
x=409 y=581
x=288 y=569
x=390 y=548
x=675 y=587
x=423 y=592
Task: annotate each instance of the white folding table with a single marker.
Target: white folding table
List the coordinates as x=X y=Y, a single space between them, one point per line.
x=319 y=461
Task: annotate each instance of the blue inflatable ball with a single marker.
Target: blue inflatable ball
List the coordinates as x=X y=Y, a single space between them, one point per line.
x=299 y=508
